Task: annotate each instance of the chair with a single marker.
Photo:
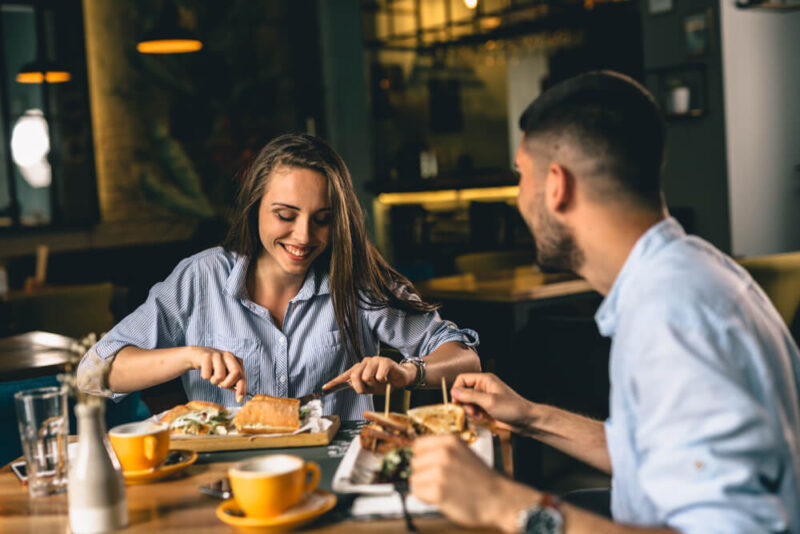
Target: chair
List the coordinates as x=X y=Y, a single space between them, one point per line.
x=779 y=277
x=486 y=262
x=72 y=311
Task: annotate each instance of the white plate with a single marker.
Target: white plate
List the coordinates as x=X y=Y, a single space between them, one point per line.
x=358 y=467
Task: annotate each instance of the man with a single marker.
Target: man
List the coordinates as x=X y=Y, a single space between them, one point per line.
x=704 y=427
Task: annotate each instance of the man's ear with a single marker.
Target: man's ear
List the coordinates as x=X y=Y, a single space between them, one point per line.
x=559 y=188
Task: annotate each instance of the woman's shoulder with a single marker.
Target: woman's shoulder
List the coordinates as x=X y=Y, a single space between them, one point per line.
x=212 y=259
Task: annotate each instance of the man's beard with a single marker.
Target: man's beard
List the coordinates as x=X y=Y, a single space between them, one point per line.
x=556 y=250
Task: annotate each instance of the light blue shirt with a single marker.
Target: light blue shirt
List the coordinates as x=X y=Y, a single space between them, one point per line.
x=704 y=415
x=205 y=302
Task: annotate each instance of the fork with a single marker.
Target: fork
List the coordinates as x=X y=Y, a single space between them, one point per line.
x=401 y=487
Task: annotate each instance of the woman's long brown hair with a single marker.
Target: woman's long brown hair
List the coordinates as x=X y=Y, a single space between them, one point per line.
x=359 y=276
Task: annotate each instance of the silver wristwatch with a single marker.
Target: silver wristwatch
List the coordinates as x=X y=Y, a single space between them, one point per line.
x=544 y=518
x=420 y=363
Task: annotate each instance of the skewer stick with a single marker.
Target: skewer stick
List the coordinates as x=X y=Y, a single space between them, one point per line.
x=388 y=396
x=444 y=391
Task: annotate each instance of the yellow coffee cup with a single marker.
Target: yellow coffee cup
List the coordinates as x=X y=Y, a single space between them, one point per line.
x=266 y=486
x=140 y=446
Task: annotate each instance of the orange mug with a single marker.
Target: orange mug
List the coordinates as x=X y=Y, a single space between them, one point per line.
x=266 y=486
x=140 y=446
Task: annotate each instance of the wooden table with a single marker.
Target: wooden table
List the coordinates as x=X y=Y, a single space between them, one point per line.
x=33 y=354
x=177 y=505
x=521 y=284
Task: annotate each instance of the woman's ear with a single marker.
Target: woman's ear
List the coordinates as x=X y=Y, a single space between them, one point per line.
x=559 y=188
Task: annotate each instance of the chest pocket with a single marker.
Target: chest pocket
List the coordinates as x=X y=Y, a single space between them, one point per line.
x=246 y=349
x=326 y=355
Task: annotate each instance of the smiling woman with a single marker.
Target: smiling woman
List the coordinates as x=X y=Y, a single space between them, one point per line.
x=295 y=299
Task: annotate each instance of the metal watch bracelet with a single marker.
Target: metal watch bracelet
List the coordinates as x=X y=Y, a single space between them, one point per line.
x=419 y=381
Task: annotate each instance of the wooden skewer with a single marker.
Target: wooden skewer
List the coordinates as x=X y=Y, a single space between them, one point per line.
x=444 y=391
x=388 y=396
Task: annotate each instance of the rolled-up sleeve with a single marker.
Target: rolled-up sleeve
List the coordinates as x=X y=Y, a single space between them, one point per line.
x=416 y=334
x=711 y=461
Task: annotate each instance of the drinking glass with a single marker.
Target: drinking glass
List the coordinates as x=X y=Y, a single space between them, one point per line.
x=44 y=431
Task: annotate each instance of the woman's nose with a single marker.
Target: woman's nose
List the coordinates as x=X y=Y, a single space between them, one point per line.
x=302 y=230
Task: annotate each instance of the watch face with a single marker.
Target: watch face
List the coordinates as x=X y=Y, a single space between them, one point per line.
x=544 y=521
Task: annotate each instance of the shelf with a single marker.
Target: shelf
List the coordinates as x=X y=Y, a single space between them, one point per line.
x=771 y=6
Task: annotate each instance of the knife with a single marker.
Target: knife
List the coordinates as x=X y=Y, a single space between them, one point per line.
x=323 y=392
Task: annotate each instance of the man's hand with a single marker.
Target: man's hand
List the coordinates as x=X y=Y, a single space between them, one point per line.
x=220 y=368
x=371 y=375
x=486 y=397
x=445 y=472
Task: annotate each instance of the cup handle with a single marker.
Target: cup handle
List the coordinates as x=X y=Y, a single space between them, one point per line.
x=313 y=468
x=150 y=447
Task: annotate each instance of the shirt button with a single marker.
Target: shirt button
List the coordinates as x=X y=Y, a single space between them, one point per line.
x=283 y=379
x=282 y=341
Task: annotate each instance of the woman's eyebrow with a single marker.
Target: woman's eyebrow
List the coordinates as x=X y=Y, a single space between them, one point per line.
x=289 y=206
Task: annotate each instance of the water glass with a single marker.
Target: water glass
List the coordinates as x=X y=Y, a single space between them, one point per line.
x=44 y=431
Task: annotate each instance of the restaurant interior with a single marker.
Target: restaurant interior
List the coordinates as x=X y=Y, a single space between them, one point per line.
x=119 y=159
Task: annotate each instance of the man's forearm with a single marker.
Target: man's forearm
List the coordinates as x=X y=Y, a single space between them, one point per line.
x=511 y=499
x=581 y=437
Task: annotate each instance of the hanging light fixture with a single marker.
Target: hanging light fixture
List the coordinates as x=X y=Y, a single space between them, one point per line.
x=168 y=37
x=42 y=70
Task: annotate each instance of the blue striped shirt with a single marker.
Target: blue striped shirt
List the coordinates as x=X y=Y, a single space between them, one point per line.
x=204 y=302
x=704 y=431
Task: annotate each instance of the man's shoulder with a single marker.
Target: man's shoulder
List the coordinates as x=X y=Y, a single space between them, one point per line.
x=689 y=278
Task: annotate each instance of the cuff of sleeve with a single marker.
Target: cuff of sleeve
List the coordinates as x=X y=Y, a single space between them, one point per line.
x=467 y=336
x=92 y=371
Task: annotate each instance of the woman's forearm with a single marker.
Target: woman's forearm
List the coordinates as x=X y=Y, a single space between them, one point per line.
x=135 y=369
x=449 y=360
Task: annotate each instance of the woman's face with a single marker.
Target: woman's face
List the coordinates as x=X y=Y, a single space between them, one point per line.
x=294 y=219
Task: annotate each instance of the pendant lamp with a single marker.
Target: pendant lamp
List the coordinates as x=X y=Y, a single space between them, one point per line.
x=168 y=37
x=42 y=70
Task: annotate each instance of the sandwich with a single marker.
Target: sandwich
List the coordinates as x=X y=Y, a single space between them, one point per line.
x=268 y=415
x=386 y=433
x=443 y=419
x=198 y=417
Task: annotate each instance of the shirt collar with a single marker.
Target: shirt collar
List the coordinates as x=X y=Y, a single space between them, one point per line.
x=649 y=244
x=317 y=282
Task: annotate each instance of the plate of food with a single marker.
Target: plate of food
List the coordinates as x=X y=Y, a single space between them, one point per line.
x=263 y=422
x=379 y=457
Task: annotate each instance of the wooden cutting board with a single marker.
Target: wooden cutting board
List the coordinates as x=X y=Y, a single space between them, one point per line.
x=255 y=441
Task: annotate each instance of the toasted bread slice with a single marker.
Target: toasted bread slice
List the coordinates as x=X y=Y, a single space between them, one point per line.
x=268 y=415
x=397 y=422
x=440 y=418
x=174 y=413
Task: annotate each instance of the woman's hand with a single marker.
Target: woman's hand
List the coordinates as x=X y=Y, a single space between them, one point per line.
x=486 y=397
x=371 y=375
x=220 y=368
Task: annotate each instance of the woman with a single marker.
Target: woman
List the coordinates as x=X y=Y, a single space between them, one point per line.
x=295 y=297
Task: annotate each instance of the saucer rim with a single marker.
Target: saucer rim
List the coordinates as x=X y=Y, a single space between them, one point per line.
x=277 y=521
x=146 y=474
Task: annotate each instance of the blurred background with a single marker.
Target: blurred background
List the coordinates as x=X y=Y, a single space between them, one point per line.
x=125 y=125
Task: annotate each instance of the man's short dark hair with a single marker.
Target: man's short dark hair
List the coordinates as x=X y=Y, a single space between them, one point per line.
x=609 y=117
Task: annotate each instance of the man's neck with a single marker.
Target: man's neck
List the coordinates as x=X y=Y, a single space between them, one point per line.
x=607 y=238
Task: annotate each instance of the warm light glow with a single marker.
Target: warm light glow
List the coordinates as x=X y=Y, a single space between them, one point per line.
x=39 y=77
x=450 y=195
x=30 y=144
x=169 y=46
x=471 y=4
